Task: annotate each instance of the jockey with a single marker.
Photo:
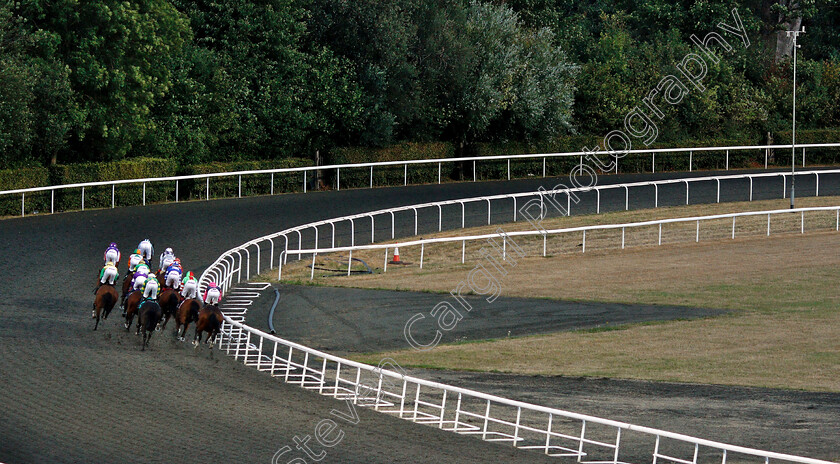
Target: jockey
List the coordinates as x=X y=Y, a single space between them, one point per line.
x=112 y=254
x=173 y=277
x=166 y=258
x=147 y=250
x=134 y=260
x=190 y=284
x=140 y=277
x=213 y=294
x=142 y=268
x=109 y=274
x=175 y=265
x=150 y=288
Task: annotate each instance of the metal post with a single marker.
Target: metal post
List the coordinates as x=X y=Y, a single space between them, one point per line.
x=733 y=227
x=304 y=181
x=690 y=160
x=583 y=247
x=272 y=183
x=508 y=164
x=371 y=176
x=240 y=186
x=144 y=194
x=727 y=160
x=626 y=198
x=83 y=199
x=405 y=179
x=439 y=173
x=795 y=35
x=113 y=194
x=543 y=167
x=52 y=201
x=208 y=188
x=422 y=250
x=338 y=178
x=385 y=266
x=349 y=263
x=598 y=207
x=653 y=162
x=312 y=272
x=22 y=204
x=475 y=175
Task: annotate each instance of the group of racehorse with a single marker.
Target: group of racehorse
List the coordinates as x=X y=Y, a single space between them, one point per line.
x=153 y=314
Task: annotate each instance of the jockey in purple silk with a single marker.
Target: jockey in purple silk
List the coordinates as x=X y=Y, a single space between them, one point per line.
x=112 y=254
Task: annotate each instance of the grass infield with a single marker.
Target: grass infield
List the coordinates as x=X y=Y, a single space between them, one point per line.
x=782 y=331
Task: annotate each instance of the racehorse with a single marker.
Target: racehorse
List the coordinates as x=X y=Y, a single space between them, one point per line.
x=106 y=298
x=161 y=277
x=126 y=286
x=169 y=300
x=187 y=312
x=148 y=319
x=210 y=321
x=131 y=306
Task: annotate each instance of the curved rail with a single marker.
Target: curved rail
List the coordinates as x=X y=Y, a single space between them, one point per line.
x=553 y=431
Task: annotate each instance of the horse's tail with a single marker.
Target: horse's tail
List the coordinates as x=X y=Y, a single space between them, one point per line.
x=108 y=300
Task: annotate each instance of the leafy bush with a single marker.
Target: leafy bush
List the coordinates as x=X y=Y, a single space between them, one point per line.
x=360 y=177
x=123 y=195
x=812 y=155
x=11 y=179
x=228 y=186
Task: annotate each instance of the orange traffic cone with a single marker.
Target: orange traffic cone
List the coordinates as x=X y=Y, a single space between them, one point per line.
x=396 y=259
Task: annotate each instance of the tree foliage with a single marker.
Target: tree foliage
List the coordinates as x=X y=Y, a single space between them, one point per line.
x=202 y=80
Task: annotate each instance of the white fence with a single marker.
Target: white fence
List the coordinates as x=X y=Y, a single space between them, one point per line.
x=545 y=233
x=552 y=431
x=389 y=216
x=305 y=172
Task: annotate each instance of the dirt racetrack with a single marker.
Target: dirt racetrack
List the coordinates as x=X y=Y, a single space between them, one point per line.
x=68 y=394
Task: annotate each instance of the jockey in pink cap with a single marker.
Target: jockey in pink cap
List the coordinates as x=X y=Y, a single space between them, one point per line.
x=213 y=294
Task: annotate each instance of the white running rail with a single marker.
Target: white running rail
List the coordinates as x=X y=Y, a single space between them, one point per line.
x=305 y=171
x=555 y=432
x=545 y=233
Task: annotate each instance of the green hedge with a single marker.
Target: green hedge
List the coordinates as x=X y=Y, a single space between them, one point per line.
x=132 y=194
x=11 y=179
x=634 y=163
x=813 y=156
x=360 y=177
x=228 y=186
x=124 y=195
